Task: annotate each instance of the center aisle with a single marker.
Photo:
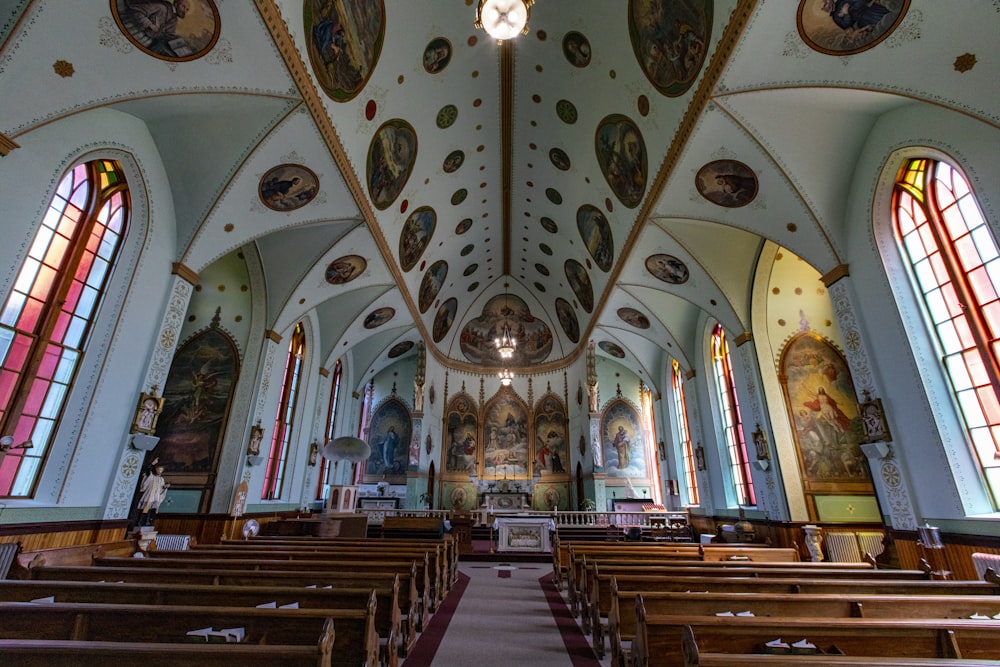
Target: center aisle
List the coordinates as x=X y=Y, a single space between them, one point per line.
x=508 y=614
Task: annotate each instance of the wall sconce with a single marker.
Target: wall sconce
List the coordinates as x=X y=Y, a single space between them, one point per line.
x=7 y=444
x=253 y=449
x=699 y=457
x=313 y=453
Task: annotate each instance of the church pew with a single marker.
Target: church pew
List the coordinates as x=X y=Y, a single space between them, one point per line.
x=648 y=579
x=355 y=641
x=387 y=612
x=622 y=622
x=425 y=586
x=81 y=653
x=81 y=554
x=592 y=587
x=695 y=657
x=561 y=552
x=438 y=566
x=449 y=545
x=658 y=638
x=413 y=606
x=433 y=576
x=758 y=556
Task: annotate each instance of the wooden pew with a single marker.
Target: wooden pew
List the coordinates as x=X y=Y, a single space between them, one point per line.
x=353 y=630
x=592 y=591
x=388 y=624
x=658 y=638
x=82 y=554
x=622 y=621
x=434 y=576
x=767 y=580
x=421 y=527
x=694 y=657
x=448 y=544
x=561 y=552
x=80 y=653
x=763 y=556
x=425 y=586
x=413 y=607
x=442 y=554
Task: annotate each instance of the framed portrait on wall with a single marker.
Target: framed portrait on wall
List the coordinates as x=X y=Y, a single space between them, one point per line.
x=146 y=413
x=873 y=420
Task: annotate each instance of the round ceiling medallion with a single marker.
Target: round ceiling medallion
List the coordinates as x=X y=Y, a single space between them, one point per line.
x=549 y=225
x=667 y=268
x=633 y=317
x=444 y=318
x=378 y=317
x=727 y=183
x=453 y=161
x=554 y=196
x=391 y=155
x=417 y=232
x=579 y=282
x=345 y=269
x=437 y=55
x=613 y=349
x=447 y=116
x=559 y=159
x=463 y=226
x=576 y=48
x=567 y=320
x=175 y=33
x=566 y=111
x=288 y=187
x=621 y=153
x=344 y=44
x=400 y=349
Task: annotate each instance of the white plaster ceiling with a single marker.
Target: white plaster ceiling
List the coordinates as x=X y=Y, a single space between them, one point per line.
x=797 y=117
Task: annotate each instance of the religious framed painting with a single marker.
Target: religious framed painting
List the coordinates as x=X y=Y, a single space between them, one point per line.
x=826 y=424
x=549 y=427
x=389 y=437
x=461 y=449
x=621 y=432
x=505 y=434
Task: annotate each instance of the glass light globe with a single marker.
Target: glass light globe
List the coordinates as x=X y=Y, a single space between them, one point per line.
x=504 y=19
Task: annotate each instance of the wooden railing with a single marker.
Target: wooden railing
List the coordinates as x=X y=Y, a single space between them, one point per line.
x=562 y=519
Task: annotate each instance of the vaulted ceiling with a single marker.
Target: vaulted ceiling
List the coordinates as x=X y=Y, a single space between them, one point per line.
x=610 y=175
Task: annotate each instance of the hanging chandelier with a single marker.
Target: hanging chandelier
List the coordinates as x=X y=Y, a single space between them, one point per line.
x=503 y=19
x=506 y=377
x=505 y=343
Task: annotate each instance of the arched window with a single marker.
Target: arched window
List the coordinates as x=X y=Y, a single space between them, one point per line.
x=732 y=424
x=284 y=420
x=47 y=317
x=331 y=421
x=689 y=478
x=956 y=270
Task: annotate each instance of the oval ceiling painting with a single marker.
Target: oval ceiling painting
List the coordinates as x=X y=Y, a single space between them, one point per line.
x=444 y=319
x=345 y=269
x=576 y=48
x=533 y=336
x=453 y=161
x=633 y=317
x=845 y=27
x=399 y=349
x=437 y=55
x=579 y=282
x=378 y=317
x=667 y=268
x=345 y=39
x=549 y=225
x=288 y=187
x=611 y=348
x=567 y=320
x=668 y=39
x=596 y=234
x=174 y=32
x=417 y=232
x=559 y=159
x=431 y=284
x=621 y=152
x=727 y=183
x=390 y=160
x=463 y=226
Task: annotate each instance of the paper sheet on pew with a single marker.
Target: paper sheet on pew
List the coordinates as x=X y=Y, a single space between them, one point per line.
x=225 y=635
x=51 y=598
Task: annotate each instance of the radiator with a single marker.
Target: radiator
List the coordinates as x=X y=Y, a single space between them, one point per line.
x=871 y=542
x=8 y=551
x=842 y=547
x=982 y=561
x=172 y=542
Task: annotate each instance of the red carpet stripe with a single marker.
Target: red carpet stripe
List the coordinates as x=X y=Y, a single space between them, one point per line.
x=577 y=645
x=430 y=639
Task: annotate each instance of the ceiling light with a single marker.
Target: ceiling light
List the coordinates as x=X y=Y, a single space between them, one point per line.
x=506 y=377
x=503 y=19
x=505 y=341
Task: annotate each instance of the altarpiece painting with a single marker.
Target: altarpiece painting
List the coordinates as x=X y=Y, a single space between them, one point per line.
x=823 y=407
x=389 y=436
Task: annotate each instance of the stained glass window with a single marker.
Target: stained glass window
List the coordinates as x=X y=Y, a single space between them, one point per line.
x=736 y=447
x=689 y=479
x=956 y=271
x=46 y=320
x=277 y=458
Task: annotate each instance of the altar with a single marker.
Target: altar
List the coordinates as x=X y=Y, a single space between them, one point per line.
x=524 y=533
x=506 y=501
